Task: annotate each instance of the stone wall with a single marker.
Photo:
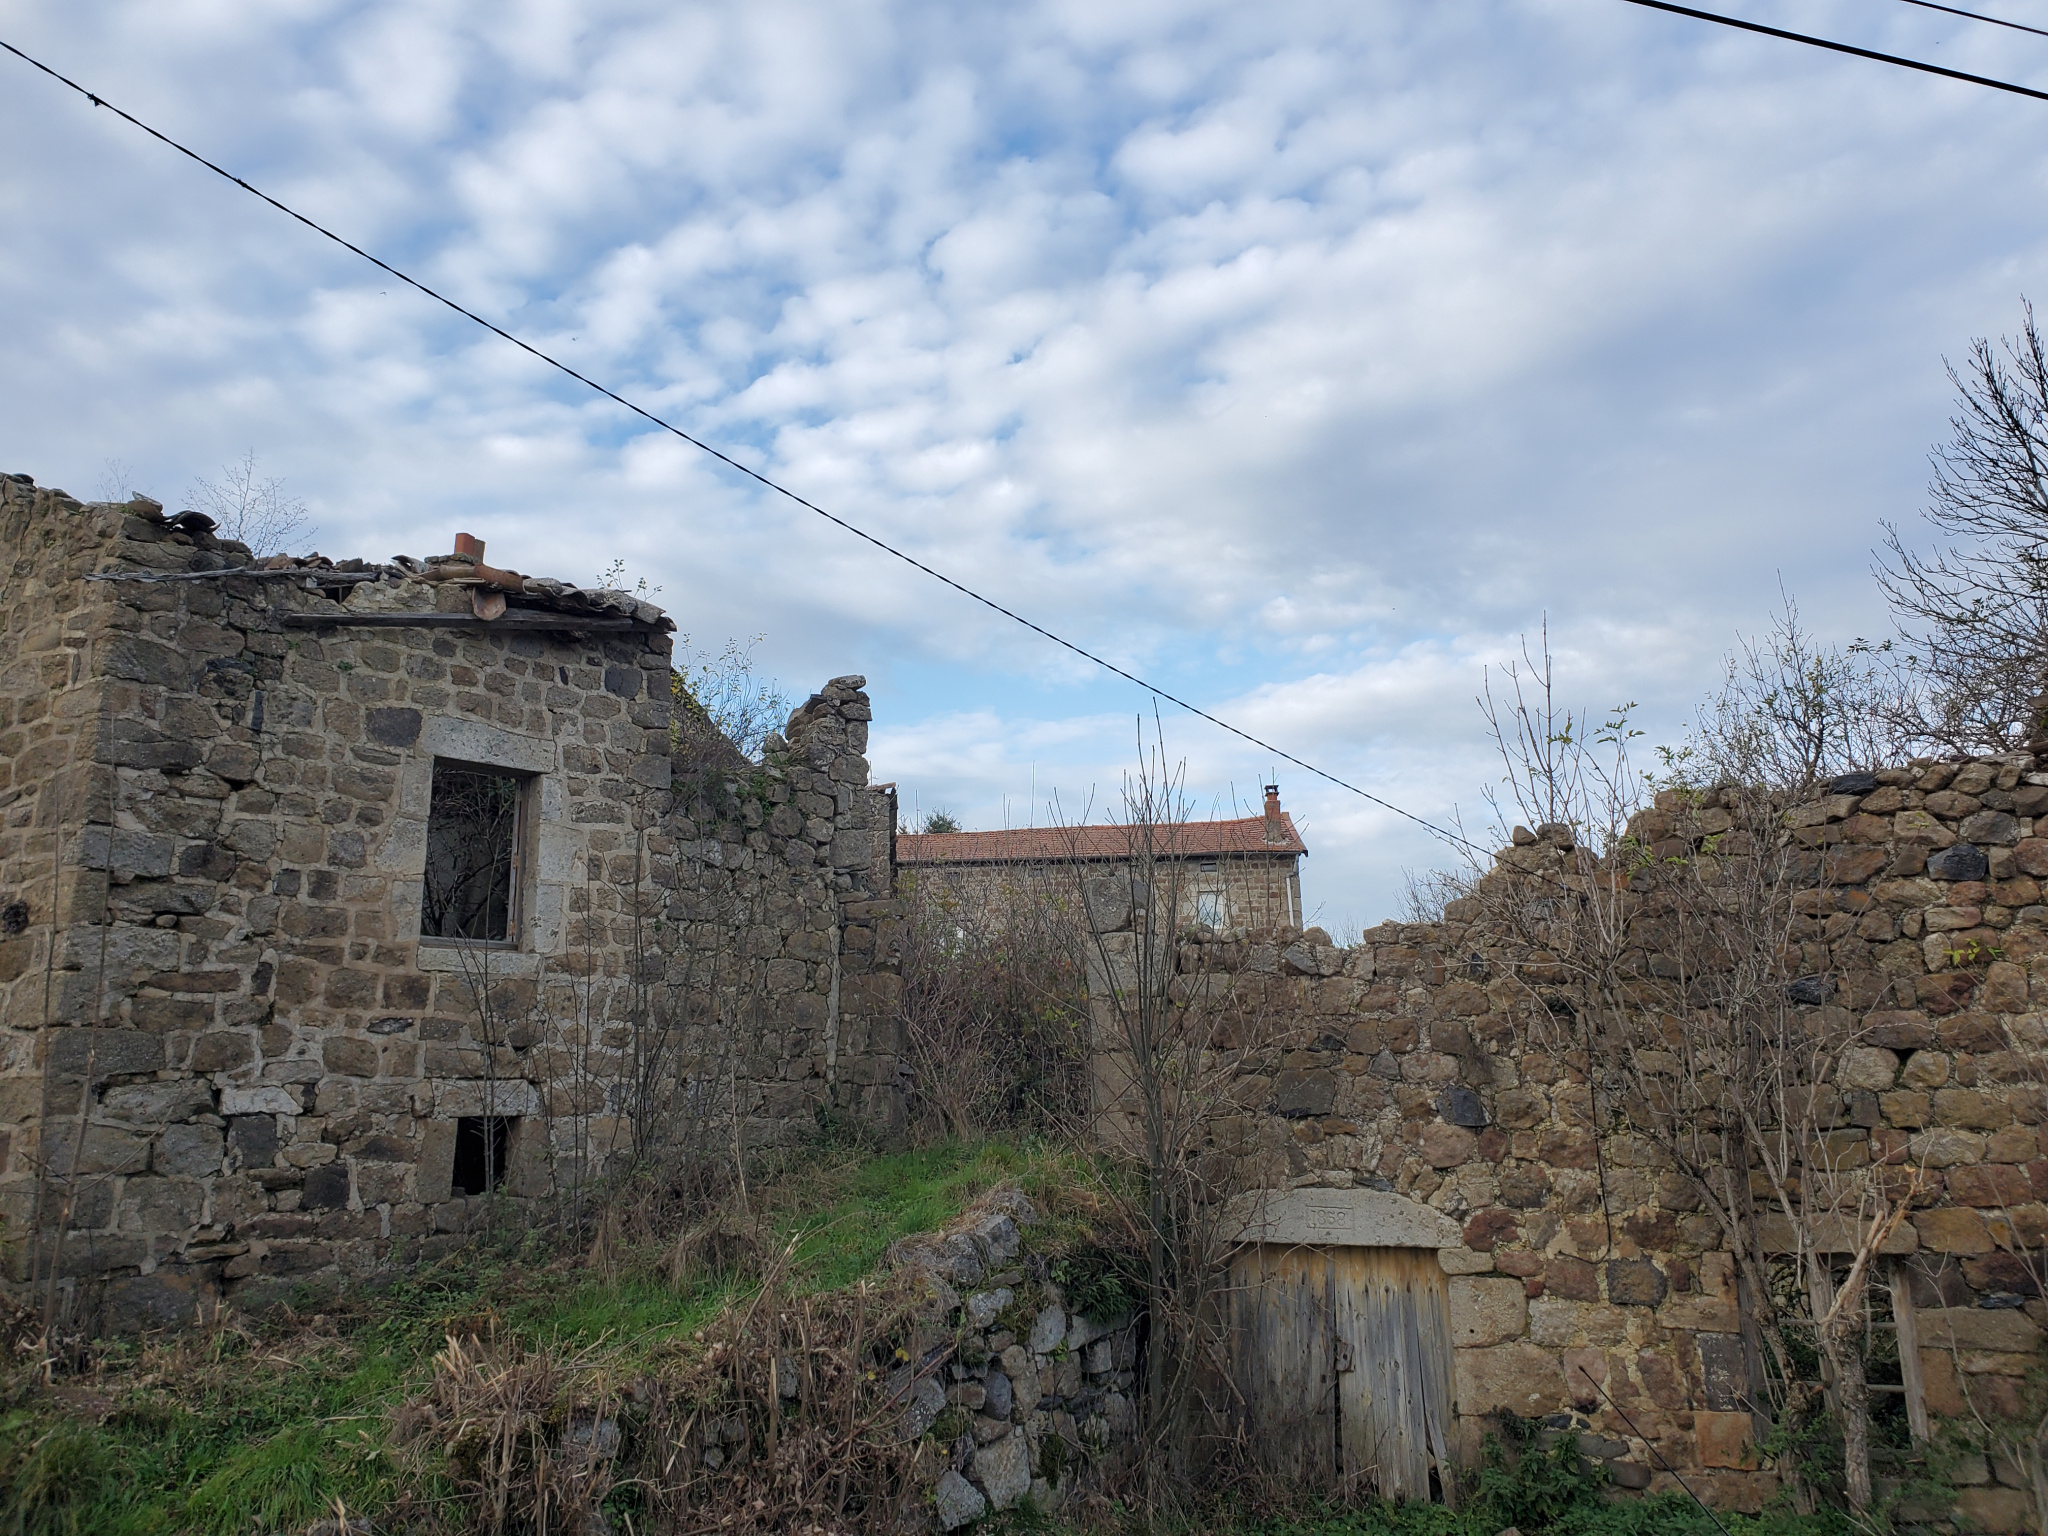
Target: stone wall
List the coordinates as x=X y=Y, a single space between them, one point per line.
x=1407 y=1064
x=1036 y=1400
x=229 y=1063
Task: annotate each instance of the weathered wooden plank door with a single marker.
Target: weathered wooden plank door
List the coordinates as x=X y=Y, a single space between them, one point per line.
x=1283 y=1301
x=1344 y=1360
x=1392 y=1404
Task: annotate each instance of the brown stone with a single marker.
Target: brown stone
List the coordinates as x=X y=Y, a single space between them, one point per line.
x=1517 y=1377
x=1447 y=1146
x=1571 y=1279
x=1725 y=1439
x=1953 y=1230
x=1989 y=1185
x=1490 y=1227
x=1636 y=1283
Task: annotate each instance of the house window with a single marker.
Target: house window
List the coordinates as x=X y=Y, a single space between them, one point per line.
x=1209 y=908
x=471 y=889
x=481 y=1142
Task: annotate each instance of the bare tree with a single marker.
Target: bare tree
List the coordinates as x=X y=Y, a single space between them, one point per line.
x=994 y=1006
x=1172 y=1052
x=1792 y=712
x=1680 y=952
x=725 y=714
x=1973 y=611
x=251 y=509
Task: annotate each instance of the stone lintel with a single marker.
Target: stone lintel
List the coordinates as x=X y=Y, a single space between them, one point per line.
x=1341 y=1218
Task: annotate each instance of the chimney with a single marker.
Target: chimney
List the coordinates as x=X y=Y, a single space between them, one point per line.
x=469 y=544
x=1276 y=829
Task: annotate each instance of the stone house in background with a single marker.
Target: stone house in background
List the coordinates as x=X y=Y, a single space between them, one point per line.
x=1227 y=875
x=334 y=896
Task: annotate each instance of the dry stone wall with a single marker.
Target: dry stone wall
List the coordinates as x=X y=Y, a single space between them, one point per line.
x=229 y=1064
x=1034 y=1399
x=1589 y=1283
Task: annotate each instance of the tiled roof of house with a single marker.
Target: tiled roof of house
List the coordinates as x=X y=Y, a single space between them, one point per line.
x=1044 y=845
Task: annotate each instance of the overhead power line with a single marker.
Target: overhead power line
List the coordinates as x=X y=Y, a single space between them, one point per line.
x=1991 y=21
x=753 y=474
x=1835 y=47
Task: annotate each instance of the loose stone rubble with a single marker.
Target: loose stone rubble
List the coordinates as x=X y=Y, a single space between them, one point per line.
x=1037 y=1399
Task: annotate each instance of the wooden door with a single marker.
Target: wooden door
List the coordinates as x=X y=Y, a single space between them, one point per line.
x=1344 y=1361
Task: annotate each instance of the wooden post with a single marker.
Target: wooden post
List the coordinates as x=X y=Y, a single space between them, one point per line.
x=1908 y=1333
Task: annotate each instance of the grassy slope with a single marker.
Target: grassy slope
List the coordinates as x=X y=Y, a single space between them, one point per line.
x=264 y=1426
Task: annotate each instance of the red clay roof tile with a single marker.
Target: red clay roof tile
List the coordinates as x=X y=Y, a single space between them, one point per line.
x=1043 y=845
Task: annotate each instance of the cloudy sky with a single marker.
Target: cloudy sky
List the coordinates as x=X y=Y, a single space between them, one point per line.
x=1300 y=356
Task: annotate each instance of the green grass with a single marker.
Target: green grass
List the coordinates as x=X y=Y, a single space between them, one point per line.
x=264 y=1430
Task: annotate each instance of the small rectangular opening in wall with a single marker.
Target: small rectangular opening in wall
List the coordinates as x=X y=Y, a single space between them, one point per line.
x=481 y=1145
x=1209 y=908
x=470 y=891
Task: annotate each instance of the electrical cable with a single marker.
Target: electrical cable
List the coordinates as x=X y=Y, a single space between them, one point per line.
x=752 y=474
x=1992 y=21
x=1822 y=42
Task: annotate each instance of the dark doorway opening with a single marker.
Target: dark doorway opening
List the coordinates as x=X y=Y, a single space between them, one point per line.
x=481 y=1142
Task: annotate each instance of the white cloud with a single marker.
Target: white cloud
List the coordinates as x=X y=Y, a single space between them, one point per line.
x=1301 y=354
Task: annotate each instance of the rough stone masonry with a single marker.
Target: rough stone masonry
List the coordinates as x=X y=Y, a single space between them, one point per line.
x=243 y=1043
x=1586 y=1282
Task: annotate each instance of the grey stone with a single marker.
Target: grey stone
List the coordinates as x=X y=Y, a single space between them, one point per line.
x=157 y=1103
x=999 y=1237
x=1857 y=783
x=188 y=1149
x=927 y=1400
x=1083 y=1331
x=392 y=727
x=265 y=1099
x=1960 y=861
x=1459 y=1105
x=253 y=1140
x=1003 y=1469
x=1995 y=828
x=114 y=1052
x=135 y=1303
x=983 y=1307
x=1302 y=1095
x=996 y=1399
x=957 y=1502
x=1048 y=1331
x=1724 y=1371
x=326 y=1187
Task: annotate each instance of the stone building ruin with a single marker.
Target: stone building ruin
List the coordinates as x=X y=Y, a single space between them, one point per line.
x=336 y=895
x=1398 y=1126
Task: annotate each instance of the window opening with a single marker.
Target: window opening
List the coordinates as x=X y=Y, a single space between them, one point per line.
x=471 y=887
x=1209 y=908
x=481 y=1142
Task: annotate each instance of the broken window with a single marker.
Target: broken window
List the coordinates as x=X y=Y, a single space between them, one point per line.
x=471 y=889
x=481 y=1142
